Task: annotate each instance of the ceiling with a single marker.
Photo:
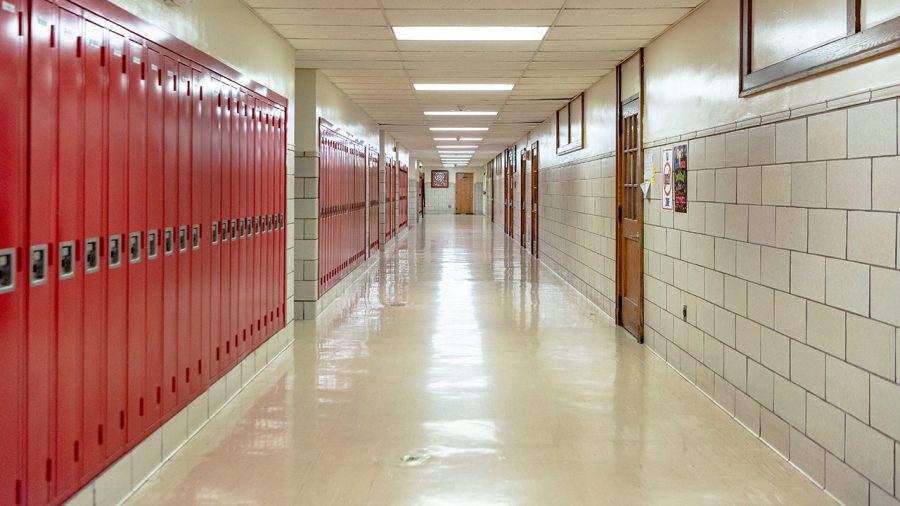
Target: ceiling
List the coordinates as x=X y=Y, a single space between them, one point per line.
x=351 y=41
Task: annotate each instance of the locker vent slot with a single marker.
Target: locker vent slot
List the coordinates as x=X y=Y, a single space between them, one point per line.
x=92 y=255
x=66 y=259
x=7 y=270
x=115 y=251
x=38 y=265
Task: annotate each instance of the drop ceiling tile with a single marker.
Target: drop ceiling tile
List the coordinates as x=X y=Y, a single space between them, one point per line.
x=477 y=65
x=471 y=17
x=604 y=32
x=343 y=45
x=348 y=55
x=367 y=64
x=601 y=17
x=593 y=45
x=441 y=74
x=335 y=32
x=361 y=17
x=471 y=4
x=574 y=74
x=313 y=4
x=572 y=65
x=557 y=80
x=633 y=4
x=609 y=56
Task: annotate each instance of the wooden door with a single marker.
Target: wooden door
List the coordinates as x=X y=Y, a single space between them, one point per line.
x=630 y=210
x=522 y=186
x=464 y=187
x=535 y=166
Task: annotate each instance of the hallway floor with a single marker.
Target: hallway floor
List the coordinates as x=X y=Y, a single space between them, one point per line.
x=463 y=372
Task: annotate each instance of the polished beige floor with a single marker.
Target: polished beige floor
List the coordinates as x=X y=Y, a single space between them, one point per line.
x=461 y=372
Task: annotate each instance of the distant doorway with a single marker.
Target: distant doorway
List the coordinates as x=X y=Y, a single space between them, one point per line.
x=464 y=188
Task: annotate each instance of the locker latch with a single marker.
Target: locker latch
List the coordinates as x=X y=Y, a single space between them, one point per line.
x=66 y=260
x=169 y=246
x=7 y=270
x=234 y=230
x=115 y=251
x=223 y=231
x=241 y=228
x=152 y=244
x=38 y=265
x=195 y=236
x=92 y=255
x=256 y=225
x=215 y=232
x=182 y=239
x=134 y=247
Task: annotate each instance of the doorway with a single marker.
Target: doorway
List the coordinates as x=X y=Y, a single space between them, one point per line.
x=464 y=188
x=630 y=201
x=535 y=166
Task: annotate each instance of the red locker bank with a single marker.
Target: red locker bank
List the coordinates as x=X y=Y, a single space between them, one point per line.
x=142 y=235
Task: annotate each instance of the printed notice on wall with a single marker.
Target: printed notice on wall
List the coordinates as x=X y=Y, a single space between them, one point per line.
x=667 y=196
x=679 y=168
x=648 y=174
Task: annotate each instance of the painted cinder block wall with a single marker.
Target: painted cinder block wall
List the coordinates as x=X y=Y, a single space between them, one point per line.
x=787 y=258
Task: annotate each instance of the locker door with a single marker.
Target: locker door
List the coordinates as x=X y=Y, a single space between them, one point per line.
x=137 y=226
x=255 y=163
x=217 y=346
x=266 y=234
x=70 y=224
x=225 y=234
x=116 y=246
x=171 y=256
x=95 y=271
x=195 y=386
x=235 y=213
x=243 y=289
x=42 y=228
x=183 y=246
x=203 y=220
x=13 y=276
x=155 y=78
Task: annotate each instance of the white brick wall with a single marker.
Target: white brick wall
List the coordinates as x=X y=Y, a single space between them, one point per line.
x=797 y=295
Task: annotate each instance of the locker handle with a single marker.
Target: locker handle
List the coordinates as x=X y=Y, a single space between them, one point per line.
x=134 y=247
x=66 y=260
x=92 y=254
x=7 y=270
x=38 y=265
x=115 y=251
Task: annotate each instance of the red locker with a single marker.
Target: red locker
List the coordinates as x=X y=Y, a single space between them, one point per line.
x=137 y=226
x=155 y=358
x=171 y=257
x=195 y=385
x=254 y=220
x=185 y=113
x=42 y=228
x=243 y=291
x=95 y=271
x=13 y=247
x=217 y=347
x=70 y=222
x=225 y=316
x=266 y=235
x=234 y=225
x=117 y=254
x=206 y=106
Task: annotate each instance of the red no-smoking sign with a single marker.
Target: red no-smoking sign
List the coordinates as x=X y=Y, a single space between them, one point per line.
x=667 y=200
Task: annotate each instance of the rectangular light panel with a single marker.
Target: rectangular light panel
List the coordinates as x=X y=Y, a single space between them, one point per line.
x=470 y=32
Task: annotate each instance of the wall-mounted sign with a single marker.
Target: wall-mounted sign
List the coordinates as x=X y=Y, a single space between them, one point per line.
x=679 y=169
x=668 y=197
x=440 y=179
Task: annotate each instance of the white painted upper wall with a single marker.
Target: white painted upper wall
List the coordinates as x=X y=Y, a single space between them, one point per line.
x=230 y=32
x=335 y=106
x=691 y=76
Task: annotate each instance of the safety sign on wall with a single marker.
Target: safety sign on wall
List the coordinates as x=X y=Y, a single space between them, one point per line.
x=668 y=197
x=679 y=171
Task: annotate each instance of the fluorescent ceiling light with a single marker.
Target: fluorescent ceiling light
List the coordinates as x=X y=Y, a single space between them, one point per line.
x=457 y=147
x=457 y=138
x=470 y=32
x=459 y=129
x=462 y=87
x=460 y=113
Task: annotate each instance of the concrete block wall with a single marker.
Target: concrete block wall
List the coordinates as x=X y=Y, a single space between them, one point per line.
x=577 y=228
x=305 y=185
x=787 y=261
x=440 y=200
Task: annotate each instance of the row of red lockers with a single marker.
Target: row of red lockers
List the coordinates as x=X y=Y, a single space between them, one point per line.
x=344 y=240
x=142 y=239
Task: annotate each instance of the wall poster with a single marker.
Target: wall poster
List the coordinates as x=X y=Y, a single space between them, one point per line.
x=667 y=197
x=679 y=168
x=440 y=179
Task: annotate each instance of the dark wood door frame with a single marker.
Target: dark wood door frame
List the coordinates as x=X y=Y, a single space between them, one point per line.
x=535 y=171
x=523 y=159
x=634 y=323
